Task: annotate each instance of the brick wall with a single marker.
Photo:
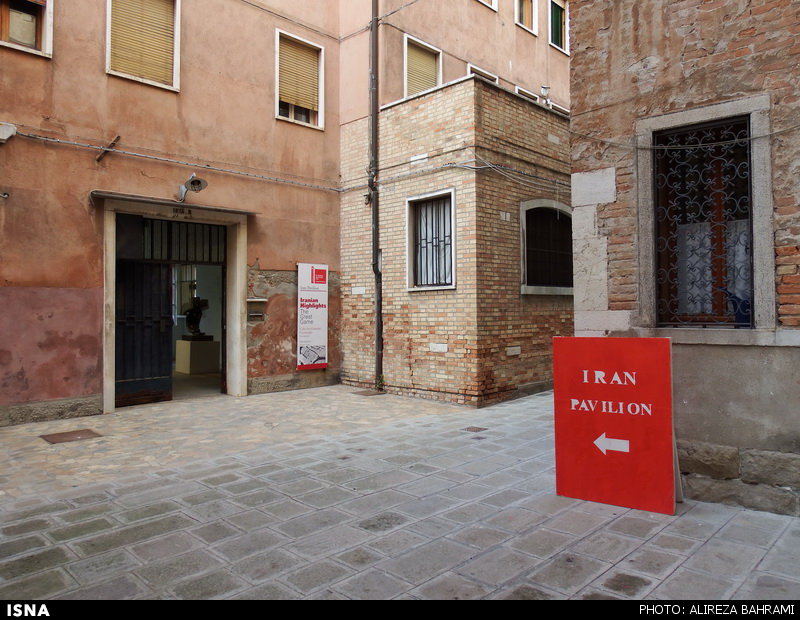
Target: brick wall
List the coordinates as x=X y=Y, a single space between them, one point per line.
x=636 y=67
x=456 y=344
x=654 y=57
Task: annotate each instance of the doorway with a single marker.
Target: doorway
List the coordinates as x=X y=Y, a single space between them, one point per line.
x=170 y=305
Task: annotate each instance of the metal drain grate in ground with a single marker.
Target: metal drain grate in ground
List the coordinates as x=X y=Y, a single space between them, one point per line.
x=84 y=433
x=474 y=429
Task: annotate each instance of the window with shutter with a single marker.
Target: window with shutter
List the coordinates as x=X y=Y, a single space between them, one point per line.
x=559 y=36
x=142 y=40
x=299 y=80
x=525 y=15
x=422 y=68
x=473 y=70
x=26 y=24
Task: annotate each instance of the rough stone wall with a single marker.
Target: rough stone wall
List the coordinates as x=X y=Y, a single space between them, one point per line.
x=634 y=61
x=272 y=333
x=458 y=344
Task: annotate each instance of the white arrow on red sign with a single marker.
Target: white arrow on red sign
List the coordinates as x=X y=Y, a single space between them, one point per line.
x=617 y=445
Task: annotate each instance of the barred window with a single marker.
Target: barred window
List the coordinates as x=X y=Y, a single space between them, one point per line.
x=432 y=241
x=548 y=248
x=702 y=188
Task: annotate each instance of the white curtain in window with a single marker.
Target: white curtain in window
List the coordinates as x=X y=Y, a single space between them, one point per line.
x=695 y=255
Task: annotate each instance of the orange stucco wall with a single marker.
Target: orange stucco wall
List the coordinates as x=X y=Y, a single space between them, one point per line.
x=223 y=117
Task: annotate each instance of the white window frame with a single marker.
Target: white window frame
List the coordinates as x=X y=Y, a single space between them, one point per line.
x=527 y=94
x=320 y=124
x=411 y=286
x=564 y=4
x=407 y=38
x=486 y=75
x=47 y=36
x=534 y=30
x=176 y=53
x=524 y=207
x=492 y=4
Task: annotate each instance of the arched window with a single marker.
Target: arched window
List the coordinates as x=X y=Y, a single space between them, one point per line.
x=547 y=249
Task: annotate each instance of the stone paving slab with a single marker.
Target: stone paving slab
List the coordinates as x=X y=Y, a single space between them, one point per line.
x=324 y=494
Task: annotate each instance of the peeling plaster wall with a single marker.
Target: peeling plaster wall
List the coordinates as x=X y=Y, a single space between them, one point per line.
x=52 y=234
x=272 y=339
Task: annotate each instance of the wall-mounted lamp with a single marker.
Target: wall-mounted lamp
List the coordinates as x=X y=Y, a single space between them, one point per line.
x=7 y=131
x=193 y=184
x=546 y=94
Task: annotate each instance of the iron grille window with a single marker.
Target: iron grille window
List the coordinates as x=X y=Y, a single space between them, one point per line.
x=704 y=273
x=183 y=242
x=548 y=248
x=432 y=242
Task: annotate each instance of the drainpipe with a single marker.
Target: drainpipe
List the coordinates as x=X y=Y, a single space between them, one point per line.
x=373 y=191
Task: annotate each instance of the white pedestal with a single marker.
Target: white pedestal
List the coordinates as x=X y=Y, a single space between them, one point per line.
x=196 y=357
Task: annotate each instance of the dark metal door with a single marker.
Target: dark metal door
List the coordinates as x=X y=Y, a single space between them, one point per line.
x=143 y=333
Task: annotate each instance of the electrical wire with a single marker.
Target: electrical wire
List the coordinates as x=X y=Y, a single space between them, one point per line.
x=684 y=147
x=289 y=19
x=179 y=162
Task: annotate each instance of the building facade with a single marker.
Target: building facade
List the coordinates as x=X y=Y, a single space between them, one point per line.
x=471 y=149
x=152 y=159
x=687 y=222
x=108 y=109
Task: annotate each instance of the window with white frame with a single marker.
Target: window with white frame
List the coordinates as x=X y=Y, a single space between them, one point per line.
x=526 y=15
x=27 y=25
x=559 y=24
x=423 y=69
x=524 y=92
x=300 y=80
x=143 y=40
x=547 y=247
x=431 y=247
x=473 y=70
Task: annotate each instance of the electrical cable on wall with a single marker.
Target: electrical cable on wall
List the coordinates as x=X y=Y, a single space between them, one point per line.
x=683 y=147
x=179 y=162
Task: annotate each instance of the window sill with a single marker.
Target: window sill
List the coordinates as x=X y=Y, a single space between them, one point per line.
x=715 y=336
x=546 y=290
x=560 y=49
x=301 y=123
x=423 y=289
x=133 y=78
x=528 y=30
x=27 y=50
